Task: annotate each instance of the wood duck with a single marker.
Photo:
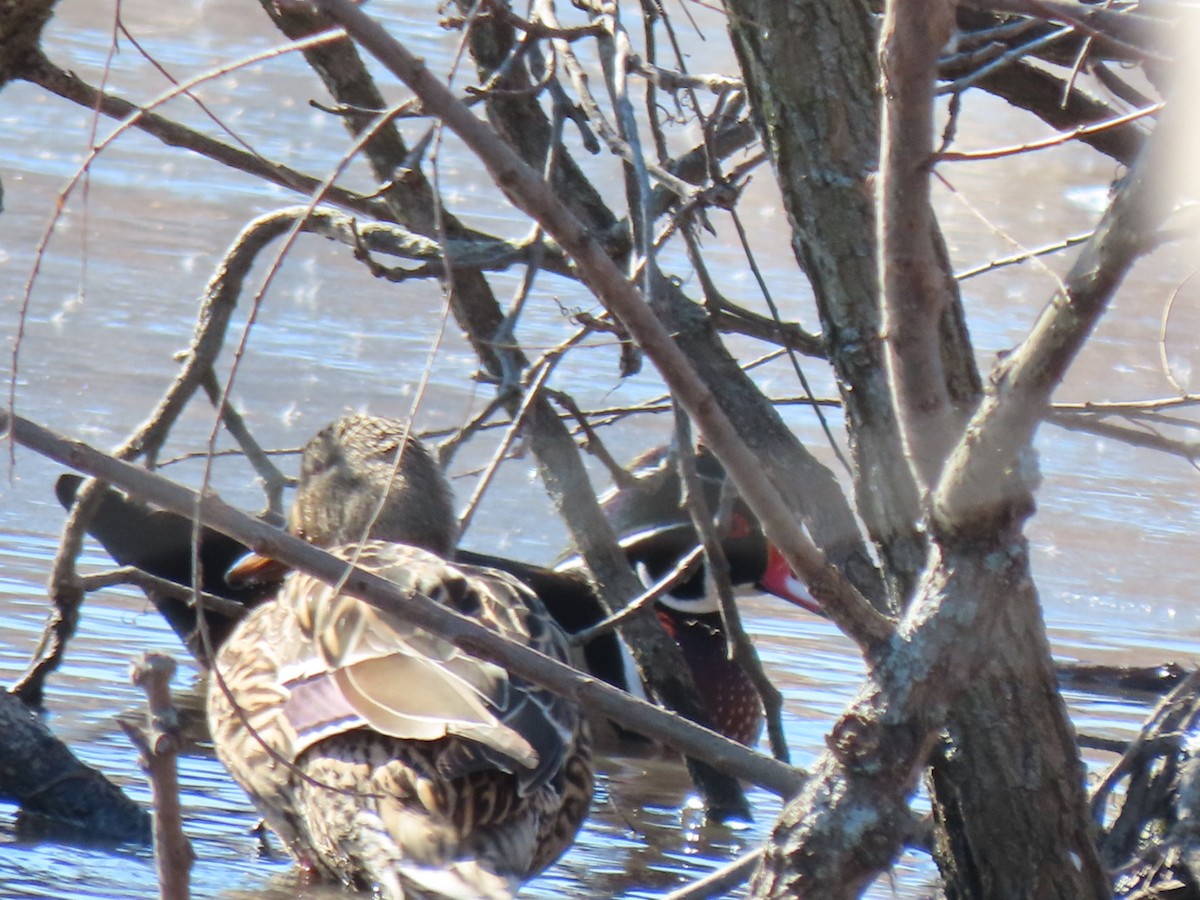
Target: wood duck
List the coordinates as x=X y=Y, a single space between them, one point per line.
x=650 y=512
x=659 y=532
x=382 y=755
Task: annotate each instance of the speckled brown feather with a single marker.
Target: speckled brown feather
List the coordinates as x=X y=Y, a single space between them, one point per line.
x=402 y=802
x=347 y=469
x=360 y=775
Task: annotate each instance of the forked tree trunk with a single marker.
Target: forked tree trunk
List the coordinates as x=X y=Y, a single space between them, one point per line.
x=1007 y=781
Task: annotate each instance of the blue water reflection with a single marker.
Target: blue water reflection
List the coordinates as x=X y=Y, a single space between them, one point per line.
x=1111 y=541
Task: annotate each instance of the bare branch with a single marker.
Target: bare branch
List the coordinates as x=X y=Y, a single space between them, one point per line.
x=1137 y=34
x=914 y=290
x=721 y=882
x=1021 y=385
x=70 y=87
x=158 y=742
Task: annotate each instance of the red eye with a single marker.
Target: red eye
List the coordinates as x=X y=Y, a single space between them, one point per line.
x=739 y=526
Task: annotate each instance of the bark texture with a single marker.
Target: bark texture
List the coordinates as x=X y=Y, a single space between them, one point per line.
x=54 y=789
x=21 y=24
x=815 y=103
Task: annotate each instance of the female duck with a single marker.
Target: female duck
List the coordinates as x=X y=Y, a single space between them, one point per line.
x=382 y=755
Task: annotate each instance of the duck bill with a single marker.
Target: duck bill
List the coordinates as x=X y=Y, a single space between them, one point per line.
x=254 y=570
x=780 y=580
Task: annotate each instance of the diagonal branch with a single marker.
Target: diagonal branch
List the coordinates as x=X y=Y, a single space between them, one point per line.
x=1021 y=386
x=915 y=296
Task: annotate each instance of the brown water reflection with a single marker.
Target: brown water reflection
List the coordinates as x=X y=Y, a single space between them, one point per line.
x=1113 y=535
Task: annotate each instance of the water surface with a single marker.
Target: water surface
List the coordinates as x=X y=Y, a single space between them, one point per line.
x=117 y=297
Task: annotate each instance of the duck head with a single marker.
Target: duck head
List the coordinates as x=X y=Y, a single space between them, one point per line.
x=364 y=477
x=658 y=533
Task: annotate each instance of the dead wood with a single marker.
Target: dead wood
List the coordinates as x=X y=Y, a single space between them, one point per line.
x=55 y=791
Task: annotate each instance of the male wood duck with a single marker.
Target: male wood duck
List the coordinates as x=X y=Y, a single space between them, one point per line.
x=650 y=512
x=659 y=532
x=380 y=754
x=656 y=531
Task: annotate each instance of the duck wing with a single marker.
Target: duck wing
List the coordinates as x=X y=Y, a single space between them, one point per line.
x=353 y=666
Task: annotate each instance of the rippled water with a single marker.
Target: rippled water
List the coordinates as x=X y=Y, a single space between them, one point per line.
x=1113 y=536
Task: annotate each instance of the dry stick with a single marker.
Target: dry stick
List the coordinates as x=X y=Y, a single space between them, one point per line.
x=591 y=440
x=765 y=291
x=66 y=598
x=456 y=437
x=158 y=743
x=1018 y=52
x=681 y=570
x=1057 y=140
x=720 y=882
x=1136 y=34
x=67 y=85
x=540 y=375
x=1128 y=407
x=273 y=481
x=224 y=607
x=461 y=631
x=914 y=295
x=579 y=80
x=508 y=355
x=844 y=604
x=1134 y=437
x=1024 y=255
x=1150 y=732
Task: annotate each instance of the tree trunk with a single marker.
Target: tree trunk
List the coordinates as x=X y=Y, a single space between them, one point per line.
x=1008 y=783
x=815 y=107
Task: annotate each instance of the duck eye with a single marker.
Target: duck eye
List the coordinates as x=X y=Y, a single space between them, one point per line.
x=316 y=461
x=739 y=526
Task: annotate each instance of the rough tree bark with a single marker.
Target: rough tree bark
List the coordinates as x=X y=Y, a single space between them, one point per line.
x=814 y=103
x=1011 y=811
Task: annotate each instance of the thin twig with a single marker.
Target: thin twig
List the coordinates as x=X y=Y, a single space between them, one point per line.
x=96 y=581
x=273 y=481
x=510 y=435
x=679 y=572
x=158 y=743
x=1057 y=140
x=738 y=644
x=720 y=882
